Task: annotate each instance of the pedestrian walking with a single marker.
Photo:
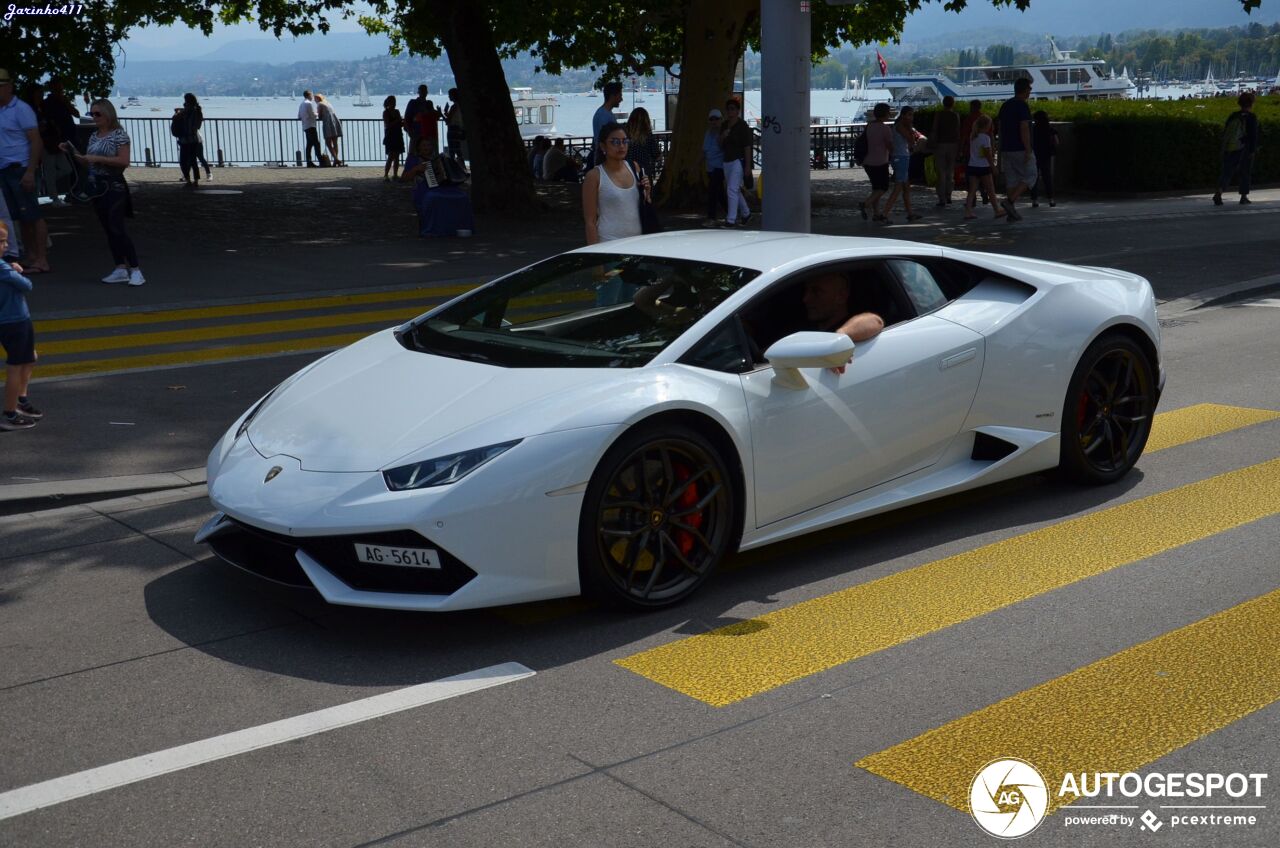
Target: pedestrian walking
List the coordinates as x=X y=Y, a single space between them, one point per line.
x=876 y=162
x=966 y=133
x=611 y=192
x=714 y=158
x=946 y=146
x=411 y=110
x=644 y=152
x=1044 y=143
x=1241 y=137
x=21 y=151
x=63 y=117
x=308 y=116
x=107 y=159
x=454 y=133
x=735 y=141
x=33 y=96
x=979 y=168
x=331 y=127
x=392 y=139
x=905 y=141
x=1017 y=162
x=187 y=121
x=18 y=338
x=603 y=116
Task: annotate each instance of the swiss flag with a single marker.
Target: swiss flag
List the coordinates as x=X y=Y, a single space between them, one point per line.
x=884 y=66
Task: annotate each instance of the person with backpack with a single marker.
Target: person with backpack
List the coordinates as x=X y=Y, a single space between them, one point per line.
x=1240 y=139
x=876 y=143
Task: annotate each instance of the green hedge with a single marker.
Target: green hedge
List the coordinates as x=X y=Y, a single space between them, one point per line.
x=1138 y=145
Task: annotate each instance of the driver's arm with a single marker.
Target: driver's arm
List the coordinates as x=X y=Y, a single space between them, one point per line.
x=863 y=326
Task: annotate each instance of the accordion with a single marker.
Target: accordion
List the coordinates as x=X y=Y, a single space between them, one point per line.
x=444 y=171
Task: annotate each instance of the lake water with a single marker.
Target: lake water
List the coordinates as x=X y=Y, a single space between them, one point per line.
x=573 y=111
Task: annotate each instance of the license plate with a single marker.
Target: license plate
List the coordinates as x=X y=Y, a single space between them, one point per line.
x=383 y=555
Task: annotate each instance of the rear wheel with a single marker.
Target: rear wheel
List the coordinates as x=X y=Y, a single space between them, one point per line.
x=1108 y=411
x=657 y=518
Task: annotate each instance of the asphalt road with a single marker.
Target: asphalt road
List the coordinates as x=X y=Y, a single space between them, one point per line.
x=1139 y=632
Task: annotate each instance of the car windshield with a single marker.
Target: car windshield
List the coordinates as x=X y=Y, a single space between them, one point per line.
x=579 y=310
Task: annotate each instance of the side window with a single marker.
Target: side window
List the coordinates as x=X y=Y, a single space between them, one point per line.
x=724 y=349
x=925 y=292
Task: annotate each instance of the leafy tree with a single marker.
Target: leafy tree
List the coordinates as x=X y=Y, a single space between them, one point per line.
x=703 y=38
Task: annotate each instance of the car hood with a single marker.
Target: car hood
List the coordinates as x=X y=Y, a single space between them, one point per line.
x=375 y=402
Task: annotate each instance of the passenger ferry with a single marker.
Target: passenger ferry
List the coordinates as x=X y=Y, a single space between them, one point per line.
x=1062 y=78
x=535 y=115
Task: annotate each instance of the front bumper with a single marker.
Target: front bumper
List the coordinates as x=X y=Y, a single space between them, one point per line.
x=502 y=536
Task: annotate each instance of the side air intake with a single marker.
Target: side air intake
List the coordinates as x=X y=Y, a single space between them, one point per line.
x=990 y=449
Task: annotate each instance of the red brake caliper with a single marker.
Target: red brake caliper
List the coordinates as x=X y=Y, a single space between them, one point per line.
x=684 y=539
x=1081 y=409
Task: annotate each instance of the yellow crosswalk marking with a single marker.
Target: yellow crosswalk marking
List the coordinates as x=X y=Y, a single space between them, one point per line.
x=127 y=319
x=191 y=357
x=744 y=659
x=135 y=341
x=1115 y=715
x=1190 y=423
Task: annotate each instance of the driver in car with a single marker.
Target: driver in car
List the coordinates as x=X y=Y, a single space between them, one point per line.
x=826 y=306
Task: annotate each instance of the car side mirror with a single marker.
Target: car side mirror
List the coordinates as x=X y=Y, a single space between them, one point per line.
x=807 y=350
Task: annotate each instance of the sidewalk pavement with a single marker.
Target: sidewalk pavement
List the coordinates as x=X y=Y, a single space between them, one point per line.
x=293 y=232
x=256 y=232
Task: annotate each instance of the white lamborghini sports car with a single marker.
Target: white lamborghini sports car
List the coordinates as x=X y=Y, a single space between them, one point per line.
x=618 y=419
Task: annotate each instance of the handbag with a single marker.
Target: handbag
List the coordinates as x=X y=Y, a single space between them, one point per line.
x=649 y=220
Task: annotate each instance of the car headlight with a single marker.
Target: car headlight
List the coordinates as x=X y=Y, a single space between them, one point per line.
x=444 y=469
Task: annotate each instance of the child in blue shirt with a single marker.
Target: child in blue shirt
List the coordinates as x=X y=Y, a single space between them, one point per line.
x=18 y=338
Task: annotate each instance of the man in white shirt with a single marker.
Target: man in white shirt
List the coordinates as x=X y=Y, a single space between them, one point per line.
x=20 y=153
x=307 y=115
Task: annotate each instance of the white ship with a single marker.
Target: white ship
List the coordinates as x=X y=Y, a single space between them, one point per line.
x=1062 y=78
x=534 y=115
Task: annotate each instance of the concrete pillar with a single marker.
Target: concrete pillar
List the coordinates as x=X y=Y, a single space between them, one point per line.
x=784 y=82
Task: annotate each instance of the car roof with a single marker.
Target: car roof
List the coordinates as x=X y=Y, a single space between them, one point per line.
x=757 y=249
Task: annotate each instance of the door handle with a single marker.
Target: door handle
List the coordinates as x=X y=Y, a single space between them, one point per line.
x=957 y=358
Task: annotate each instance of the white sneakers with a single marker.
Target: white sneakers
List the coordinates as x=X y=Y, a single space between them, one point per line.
x=120 y=275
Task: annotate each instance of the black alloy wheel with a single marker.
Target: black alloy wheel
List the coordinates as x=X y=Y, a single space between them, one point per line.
x=1108 y=412
x=657 y=518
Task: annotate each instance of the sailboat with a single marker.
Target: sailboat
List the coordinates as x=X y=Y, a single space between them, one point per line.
x=363 y=99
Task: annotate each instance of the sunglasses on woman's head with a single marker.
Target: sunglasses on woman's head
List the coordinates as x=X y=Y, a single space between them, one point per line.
x=620 y=142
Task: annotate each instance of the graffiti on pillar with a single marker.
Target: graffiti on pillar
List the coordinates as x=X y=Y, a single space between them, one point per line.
x=769 y=122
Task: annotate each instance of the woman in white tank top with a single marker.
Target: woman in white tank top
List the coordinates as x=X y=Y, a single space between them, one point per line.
x=610 y=196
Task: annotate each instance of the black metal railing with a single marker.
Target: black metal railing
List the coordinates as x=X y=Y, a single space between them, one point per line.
x=280 y=141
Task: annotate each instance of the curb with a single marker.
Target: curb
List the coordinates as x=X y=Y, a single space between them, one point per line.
x=1207 y=297
x=109 y=506
x=93 y=486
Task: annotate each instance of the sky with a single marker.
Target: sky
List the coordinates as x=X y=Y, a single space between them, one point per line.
x=1062 y=17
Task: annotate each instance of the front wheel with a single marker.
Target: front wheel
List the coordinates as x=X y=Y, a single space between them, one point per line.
x=657 y=518
x=1107 y=416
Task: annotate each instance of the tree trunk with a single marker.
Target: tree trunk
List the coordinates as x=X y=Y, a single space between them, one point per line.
x=500 y=177
x=714 y=34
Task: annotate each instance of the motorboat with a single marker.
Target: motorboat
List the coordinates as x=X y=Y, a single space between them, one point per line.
x=535 y=115
x=1063 y=77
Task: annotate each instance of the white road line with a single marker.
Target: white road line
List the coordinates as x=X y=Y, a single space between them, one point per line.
x=27 y=798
